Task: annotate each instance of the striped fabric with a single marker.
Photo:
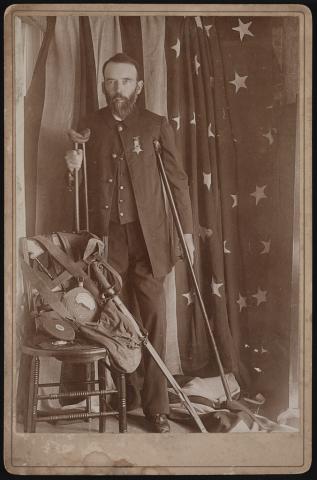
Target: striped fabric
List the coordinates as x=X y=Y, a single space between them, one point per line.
x=218 y=82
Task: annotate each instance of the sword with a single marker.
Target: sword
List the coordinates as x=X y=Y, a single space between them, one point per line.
x=110 y=292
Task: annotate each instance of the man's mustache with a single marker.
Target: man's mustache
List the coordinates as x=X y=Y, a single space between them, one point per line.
x=119 y=97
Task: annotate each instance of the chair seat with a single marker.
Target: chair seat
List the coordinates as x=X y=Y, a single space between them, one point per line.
x=75 y=352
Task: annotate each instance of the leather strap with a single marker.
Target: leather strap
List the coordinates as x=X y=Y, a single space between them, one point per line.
x=53 y=299
x=66 y=244
x=74 y=268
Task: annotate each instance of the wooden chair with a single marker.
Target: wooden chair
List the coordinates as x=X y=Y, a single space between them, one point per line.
x=73 y=353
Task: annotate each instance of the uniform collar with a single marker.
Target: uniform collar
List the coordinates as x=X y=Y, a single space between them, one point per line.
x=127 y=122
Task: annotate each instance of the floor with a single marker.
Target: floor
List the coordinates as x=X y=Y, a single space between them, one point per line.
x=136 y=420
x=137 y=423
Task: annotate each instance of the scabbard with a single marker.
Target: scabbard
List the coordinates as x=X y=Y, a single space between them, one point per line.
x=183 y=397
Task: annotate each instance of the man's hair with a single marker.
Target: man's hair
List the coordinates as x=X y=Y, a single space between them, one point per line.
x=123 y=58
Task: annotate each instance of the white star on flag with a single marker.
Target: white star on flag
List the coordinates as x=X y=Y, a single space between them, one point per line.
x=256 y=350
x=189 y=297
x=207 y=180
x=215 y=287
x=246 y=345
x=177 y=47
x=242 y=302
x=225 y=250
x=178 y=121
x=235 y=200
x=239 y=82
x=198 y=22
x=207 y=28
x=267 y=246
x=258 y=194
x=193 y=120
x=269 y=136
x=210 y=133
x=263 y=350
x=243 y=29
x=260 y=296
x=197 y=64
x=205 y=232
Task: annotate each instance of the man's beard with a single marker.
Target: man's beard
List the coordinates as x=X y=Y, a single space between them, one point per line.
x=124 y=107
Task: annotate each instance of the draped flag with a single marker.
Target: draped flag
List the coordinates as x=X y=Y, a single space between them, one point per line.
x=33 y=111
x=198 y=110
x=219 y=82
x=54 y=203
x=132 y=44
x=224 y=87
x=33 y=114
x=88 y=100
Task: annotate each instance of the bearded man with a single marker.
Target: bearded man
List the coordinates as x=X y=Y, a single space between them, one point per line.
x=127 y=208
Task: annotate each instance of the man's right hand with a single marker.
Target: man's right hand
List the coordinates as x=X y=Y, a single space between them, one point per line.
x=74 y=159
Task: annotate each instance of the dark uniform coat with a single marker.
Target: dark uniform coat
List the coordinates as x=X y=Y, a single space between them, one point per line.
x=135 y=140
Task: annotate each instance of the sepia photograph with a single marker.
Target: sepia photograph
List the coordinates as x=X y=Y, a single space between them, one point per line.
x=157 y=239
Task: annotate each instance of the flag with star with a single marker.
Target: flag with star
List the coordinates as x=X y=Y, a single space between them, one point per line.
x=218 y=81
x=222 y=83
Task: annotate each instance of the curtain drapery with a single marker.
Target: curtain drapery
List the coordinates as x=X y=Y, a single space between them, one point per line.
x=219 y=81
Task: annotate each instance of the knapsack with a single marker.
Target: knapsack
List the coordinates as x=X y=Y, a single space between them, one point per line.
x=82 y=305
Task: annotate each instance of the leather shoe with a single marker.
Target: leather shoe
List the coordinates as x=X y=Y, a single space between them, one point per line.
x=159 y=423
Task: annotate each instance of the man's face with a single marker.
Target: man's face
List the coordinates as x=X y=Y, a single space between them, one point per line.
x=121 y=87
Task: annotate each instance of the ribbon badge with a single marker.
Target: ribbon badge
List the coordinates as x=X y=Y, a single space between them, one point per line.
x=136 y=145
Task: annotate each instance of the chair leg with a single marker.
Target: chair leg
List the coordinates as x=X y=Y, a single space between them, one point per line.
x=33 y=393
x=102 y=398
x=89 y=371
x=122 y=404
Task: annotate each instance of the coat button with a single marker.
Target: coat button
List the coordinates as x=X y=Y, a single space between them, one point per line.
x=121 y=214
x=110 y=180
x=114 y=155
x=121 y=187
x=120 y=128
x=106 y=207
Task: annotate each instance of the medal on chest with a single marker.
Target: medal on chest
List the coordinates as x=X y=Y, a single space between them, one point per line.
x=137 y=148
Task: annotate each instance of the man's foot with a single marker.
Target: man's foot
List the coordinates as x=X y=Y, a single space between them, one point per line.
x=159 y=423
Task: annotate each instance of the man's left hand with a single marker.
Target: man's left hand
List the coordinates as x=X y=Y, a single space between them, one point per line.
x=190 y=246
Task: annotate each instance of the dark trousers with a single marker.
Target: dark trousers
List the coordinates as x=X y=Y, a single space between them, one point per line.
x=127 y=253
